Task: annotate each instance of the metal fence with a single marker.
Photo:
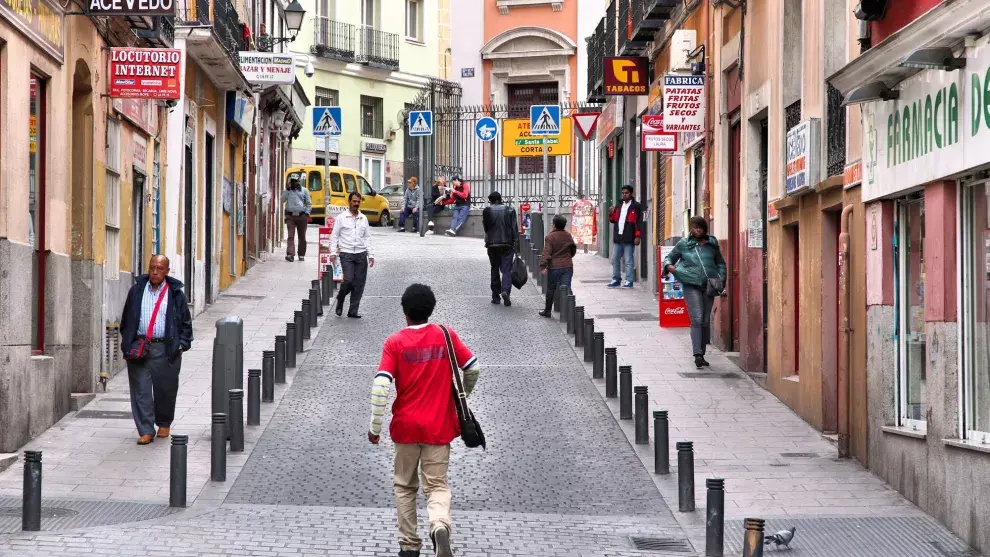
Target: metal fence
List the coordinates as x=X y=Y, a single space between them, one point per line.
x=455 y=149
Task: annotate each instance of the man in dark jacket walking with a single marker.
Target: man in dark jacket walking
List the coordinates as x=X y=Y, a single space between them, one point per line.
x=627 y=229
x=157 y=314
x=501 y=239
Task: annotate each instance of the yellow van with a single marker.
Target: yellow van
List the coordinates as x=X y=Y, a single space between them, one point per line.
x=338 y=184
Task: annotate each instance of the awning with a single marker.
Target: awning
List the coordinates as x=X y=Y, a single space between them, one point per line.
x=947 y=24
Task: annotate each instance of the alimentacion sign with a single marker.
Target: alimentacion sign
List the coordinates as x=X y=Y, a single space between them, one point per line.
x=517 y=141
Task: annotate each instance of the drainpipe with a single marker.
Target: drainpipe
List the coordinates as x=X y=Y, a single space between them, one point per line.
x=845 y=332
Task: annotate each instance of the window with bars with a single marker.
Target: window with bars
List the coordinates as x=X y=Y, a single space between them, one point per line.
x=371 y=117
x=327 y=97
x=111 y=266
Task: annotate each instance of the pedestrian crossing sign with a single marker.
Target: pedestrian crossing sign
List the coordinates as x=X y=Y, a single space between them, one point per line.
x=326 y=121
x=544 y=119
x=420 y=123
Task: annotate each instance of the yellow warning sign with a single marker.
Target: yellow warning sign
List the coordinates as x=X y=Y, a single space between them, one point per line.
x=517 y=141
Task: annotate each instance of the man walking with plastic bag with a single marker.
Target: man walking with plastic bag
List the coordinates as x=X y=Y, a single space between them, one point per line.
x=501 y=240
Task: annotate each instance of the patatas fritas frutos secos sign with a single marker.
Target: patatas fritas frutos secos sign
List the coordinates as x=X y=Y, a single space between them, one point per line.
x=518 y=142
x=145 y=73
x=130 y=7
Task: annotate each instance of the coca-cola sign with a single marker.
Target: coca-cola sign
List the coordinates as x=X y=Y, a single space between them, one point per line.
x=653 y=138
x=674 y=310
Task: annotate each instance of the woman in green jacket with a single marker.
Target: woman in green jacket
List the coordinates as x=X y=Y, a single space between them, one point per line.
x=693 y=261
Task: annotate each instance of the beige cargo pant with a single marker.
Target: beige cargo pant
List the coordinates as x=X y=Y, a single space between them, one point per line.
x=430 y=462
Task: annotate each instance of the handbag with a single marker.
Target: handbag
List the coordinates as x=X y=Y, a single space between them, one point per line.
x=519 y=272
x=471 y=432
x=714 y=287
x=139 y=350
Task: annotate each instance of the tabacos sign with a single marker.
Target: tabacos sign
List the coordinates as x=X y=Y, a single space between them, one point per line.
x=627 y=76
x=938 y=127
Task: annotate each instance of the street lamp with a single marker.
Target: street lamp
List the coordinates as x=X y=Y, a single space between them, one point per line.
x=294 y=14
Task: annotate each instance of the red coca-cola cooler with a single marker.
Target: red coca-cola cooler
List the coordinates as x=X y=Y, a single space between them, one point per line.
x=673 y=308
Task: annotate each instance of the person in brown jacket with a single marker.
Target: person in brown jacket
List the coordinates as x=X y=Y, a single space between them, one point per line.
x=557 y=260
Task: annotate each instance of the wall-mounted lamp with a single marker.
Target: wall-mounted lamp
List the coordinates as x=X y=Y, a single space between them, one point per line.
x=938 y=58
x=294 y=14
x=876 y=91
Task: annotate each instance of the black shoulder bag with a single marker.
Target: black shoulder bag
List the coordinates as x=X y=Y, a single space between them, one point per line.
x=471 y=432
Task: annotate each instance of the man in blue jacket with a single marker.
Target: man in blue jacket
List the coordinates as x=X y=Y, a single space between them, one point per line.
x=156 y=315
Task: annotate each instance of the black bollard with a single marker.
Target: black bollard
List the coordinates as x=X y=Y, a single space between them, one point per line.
x=31 y=507
x=218 y=449
x=315 y=297
x=589 y=338
x=625 y=393
x=565 y=311
x=267 y=377
x=661 y=443
x=177 y=472
x=642 y=414
x=611 y=373
x=579 y=327
x=685 y=476
x=753 y=537
x=280 y=359
x=715 y=518
x=325 y=281
x=558 y=298
x=254 y=397
x=236 y=420
x=290 y=345
x=297 y=316
x=314 y=307
x=598 y=355
x=307 y=323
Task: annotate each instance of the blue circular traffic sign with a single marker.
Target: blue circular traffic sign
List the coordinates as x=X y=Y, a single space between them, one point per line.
x=486 y=128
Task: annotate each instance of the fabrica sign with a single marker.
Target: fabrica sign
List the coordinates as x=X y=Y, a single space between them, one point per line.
x=684 y=103
x=938 y=127
x=130 y=7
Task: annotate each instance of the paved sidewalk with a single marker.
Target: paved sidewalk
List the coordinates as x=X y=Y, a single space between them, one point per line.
x=98 y=459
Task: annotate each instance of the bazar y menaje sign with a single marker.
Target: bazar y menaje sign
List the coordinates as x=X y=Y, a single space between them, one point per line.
x=145 y=73
x=42 y=21
x=684 y=103
x=626 y=75
x=130 y=7
x=261 y=68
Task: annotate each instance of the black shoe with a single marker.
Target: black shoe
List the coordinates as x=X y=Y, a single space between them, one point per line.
x=289 y=258
x=496 y=299
x=353 y=316
x=505 y=299
x=704 y=362
x=339 y=310
x=544 y=313
x=301 y=258
x=408 y=553
x=403 y=229
x=699 y=362
x=441 y=542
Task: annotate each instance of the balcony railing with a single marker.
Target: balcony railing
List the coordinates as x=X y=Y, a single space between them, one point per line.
x=161 y=34
x=334 y=40
x=645 y=26
x=622 y=23
x=596 y=67
x=659 y=8
x=223 y=19
x=631 y=43
x=377 y=48
x=836 y=135
x=610 y=29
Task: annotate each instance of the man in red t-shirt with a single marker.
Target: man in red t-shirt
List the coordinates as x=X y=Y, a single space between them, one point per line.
x=424 y=420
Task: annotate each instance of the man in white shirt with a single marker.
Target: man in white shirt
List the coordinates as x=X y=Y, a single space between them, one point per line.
x=351 y=240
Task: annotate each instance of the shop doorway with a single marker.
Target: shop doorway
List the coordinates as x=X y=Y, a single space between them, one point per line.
x=734 y=239
x=188 y=241
x=830 y=319
x=137 y=231
x=208 y=237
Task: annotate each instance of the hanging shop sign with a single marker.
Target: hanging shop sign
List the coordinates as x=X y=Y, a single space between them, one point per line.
x=684 y=103
x=145 y=73
x=627 y=75
x=584 y=224
x=130 y=7
x=240 y=110
x=609 y=121
x=140 y=157
x=518 y=142
x=653 y=138
x=143 y=113
x=803 y=156
x=266 y=68
x=654 y=102
x=42 y=21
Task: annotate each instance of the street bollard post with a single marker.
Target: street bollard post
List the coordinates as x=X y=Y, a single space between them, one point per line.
x=325 y=281
x=177 y=471
x=268 y=377
x=625 y=393
x=297 y=317
x=579 y=327
x=236 y=420
x=567 y=316
x=566 y=305
x=31 y=494
x=317 y=297
x=254 y=397
x=314 y=307
x=558 y=298
x=307 y=312
x=611 y=372
x=228 y=362
x=661 y=443
x=589 y=339
x=753 y=537
x=715 y=518
x=642 y=414
x=598 y=356
x=280 y=359
x=290 y=345
x=218 y=448
x=685 y=476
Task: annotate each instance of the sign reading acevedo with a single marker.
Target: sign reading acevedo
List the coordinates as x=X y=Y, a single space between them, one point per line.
x=130 y=7
x=145 y=73
x=261 y=68
x=684 y=103
x=518 y=142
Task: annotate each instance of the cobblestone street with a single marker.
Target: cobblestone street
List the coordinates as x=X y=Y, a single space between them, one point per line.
x=560 y=477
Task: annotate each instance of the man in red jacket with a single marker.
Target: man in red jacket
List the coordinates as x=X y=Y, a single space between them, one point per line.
x=627 y=229
x=460 y=198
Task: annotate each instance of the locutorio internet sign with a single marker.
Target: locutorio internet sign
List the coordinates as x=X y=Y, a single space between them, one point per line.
x=938 y=127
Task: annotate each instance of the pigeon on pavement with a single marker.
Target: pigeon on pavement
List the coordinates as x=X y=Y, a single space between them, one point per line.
x=781 y=538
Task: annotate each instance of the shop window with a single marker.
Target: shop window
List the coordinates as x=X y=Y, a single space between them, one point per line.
x=976 y=309
x=912 y=341
x=37 y=197
x=111 y=266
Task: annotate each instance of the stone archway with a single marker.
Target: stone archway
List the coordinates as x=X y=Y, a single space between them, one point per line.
x=529 y=55
x=87 y=299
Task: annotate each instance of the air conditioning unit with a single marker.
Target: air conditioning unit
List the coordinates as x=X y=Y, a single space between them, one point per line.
x=682 y=44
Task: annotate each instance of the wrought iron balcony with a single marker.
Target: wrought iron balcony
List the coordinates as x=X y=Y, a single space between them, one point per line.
x=659 y=9
x=629 y=45
x=645 y=27
x=377 y=48
x=334 y=40
x=215 y=39
x=161 y=33
x=610 y=28
x=836 y=134
x=596 y=67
